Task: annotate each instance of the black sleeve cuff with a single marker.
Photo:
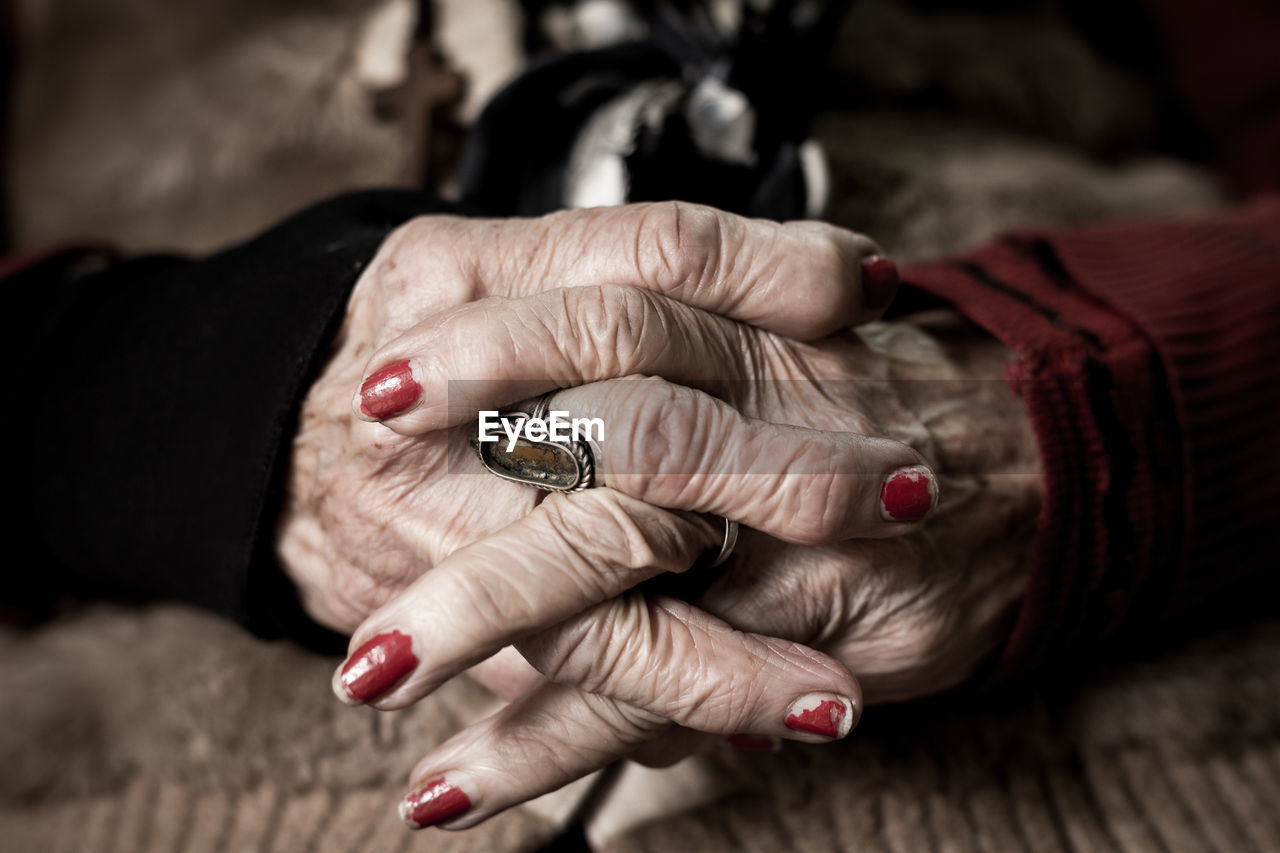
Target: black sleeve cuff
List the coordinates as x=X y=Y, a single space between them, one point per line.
x=157 y=402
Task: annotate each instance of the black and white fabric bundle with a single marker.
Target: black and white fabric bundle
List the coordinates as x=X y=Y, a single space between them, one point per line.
x=641 y=100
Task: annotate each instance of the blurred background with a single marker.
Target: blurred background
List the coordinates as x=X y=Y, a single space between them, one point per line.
x=153 y=126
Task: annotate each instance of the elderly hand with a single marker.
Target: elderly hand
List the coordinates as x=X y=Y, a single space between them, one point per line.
x=517 y=307
x=908 y=616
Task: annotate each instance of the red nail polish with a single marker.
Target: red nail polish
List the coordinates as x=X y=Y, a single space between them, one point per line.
x=908 y=494
x=377 y=666
x=879 y=281
x=432 y=803
x=389 y=391
x=821 y=714
x=753 y=743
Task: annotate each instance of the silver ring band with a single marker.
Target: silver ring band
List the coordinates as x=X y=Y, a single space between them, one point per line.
x=541 y=406
x=730 y=542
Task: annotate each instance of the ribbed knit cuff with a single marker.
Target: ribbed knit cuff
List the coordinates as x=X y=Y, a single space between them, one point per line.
x=1074 y=355
x=1206 y=292
x=1147 y=358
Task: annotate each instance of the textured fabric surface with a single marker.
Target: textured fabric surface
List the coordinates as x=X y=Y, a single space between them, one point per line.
x=1180 y=753
x=189 y=375
x=172 y=730
x=1147 y=360
x=168 y=730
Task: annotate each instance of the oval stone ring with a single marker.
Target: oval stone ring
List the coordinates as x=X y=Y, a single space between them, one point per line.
x=527 y=450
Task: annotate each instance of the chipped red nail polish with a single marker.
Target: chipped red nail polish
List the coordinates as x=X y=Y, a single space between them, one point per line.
x=377 y=666
x=822 y=714
x=879 y=281
x=908 y=494
x=432 y=803
x=389 y=392
x=753 y=743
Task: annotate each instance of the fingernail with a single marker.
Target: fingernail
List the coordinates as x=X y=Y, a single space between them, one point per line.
x=389 y=392
x=753 y=743
x=377 y=666
x=432 y=803
x=908 y=494
x=824 y=714
x=879 y=281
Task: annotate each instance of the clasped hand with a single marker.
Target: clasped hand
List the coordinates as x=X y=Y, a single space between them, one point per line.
x=718 y=352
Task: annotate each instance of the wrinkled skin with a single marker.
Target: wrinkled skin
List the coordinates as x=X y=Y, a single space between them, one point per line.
x=368 y=510
x=914 y=615
x=372 y=510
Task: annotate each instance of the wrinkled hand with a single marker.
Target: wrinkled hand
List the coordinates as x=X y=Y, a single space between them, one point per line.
x=523 y=306
x=908 y=616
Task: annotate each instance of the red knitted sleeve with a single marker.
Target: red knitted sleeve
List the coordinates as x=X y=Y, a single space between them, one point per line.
x=1149 y=361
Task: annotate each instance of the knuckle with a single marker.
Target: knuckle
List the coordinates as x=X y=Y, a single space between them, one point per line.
x=670 y=442
x=616 y=326
x=597 y=532
x=570 y=653
x=679 y=245
x=544 y=742
x=630 y=725
x=598 y=654
x=682 y=682
x=677 y=682
x=659 y=668
x=601 y=652
x=560 y=745
x=703 y=684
